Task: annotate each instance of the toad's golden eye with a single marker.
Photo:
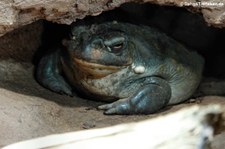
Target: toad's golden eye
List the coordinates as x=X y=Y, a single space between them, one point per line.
x=115 y=44
x=116 y=48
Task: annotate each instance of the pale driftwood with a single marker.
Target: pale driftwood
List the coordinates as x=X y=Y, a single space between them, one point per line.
x=190 y=128
x=15 y=13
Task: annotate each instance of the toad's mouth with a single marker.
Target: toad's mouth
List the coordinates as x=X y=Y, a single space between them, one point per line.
x=94 y=70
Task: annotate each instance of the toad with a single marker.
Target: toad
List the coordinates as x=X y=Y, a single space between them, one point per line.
x=135 y=68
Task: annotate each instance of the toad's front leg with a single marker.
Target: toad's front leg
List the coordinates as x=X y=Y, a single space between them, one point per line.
x=150 y=98
x=49 y=75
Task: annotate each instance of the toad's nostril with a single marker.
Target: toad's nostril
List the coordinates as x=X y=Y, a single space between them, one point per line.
x=97 y=43
x=92 y=49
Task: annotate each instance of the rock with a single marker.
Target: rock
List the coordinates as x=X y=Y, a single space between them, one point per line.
x=21 y=43
x=18 y=13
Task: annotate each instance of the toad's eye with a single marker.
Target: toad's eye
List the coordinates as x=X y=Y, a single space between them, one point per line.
x=115 y=45
x=116 y=48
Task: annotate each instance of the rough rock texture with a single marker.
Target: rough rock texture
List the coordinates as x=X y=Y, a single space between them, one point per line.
x=15 y=13
x=21 y=43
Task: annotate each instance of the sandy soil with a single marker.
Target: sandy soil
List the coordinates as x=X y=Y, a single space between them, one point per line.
x=28 y=110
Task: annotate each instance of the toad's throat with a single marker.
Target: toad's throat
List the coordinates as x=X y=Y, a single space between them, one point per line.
x=94 y=70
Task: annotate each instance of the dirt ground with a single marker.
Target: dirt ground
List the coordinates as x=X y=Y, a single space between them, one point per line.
x=28 y=110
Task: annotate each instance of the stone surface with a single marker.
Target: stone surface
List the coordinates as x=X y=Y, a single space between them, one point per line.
x=21 y=43
x=15 y=13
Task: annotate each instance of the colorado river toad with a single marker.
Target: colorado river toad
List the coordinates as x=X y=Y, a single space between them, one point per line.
x=137 y=68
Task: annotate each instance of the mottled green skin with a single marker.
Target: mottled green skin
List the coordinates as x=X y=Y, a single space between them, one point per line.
x=171 y=72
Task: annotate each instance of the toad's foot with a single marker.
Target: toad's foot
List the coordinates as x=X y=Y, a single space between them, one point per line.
x=149 y=99
x=119 y=107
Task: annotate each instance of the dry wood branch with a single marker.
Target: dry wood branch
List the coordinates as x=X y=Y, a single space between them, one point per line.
x=187 y=129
